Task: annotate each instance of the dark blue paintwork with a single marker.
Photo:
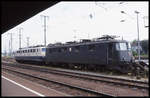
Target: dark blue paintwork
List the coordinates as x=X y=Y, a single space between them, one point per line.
x=104 y=53
x=30 y=58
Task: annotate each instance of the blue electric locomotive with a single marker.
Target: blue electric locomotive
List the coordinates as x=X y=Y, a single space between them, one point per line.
x=102 y=52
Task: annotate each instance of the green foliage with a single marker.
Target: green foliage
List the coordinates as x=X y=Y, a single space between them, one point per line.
x=144 y=45
x=134 y=53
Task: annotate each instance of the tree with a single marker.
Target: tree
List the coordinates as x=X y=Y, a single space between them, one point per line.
x=144 y=45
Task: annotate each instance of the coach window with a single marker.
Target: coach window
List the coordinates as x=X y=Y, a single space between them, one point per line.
x=33 y=50
x=91 y=48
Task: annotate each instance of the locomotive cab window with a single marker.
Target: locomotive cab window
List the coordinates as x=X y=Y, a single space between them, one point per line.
x=121 y=46
x=70 y=49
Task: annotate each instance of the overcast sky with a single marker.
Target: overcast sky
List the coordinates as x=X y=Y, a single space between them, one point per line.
x=69 y=21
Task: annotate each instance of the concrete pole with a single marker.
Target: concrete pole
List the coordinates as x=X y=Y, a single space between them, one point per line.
x=138 y=36
x=20 y=37
x=27 y=41
x=44 y=28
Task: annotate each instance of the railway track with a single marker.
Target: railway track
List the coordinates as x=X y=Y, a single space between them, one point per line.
x=77 y=88
x=90 y=77
x=80 y=83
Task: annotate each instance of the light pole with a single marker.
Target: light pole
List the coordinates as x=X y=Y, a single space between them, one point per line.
x=137 y=32
x=138 y=35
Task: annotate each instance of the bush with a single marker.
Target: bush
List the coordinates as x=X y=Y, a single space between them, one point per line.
x=134 y=53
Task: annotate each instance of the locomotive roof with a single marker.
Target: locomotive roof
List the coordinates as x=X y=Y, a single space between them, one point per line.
x=32 y=47
x=84 y=43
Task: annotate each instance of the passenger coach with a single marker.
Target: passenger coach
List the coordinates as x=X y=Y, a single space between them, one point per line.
x=35 y=54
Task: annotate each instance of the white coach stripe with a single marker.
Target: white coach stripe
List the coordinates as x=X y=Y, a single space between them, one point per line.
x=23 y=86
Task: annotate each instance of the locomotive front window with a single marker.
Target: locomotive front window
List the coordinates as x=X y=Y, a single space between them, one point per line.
x=121 y=46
